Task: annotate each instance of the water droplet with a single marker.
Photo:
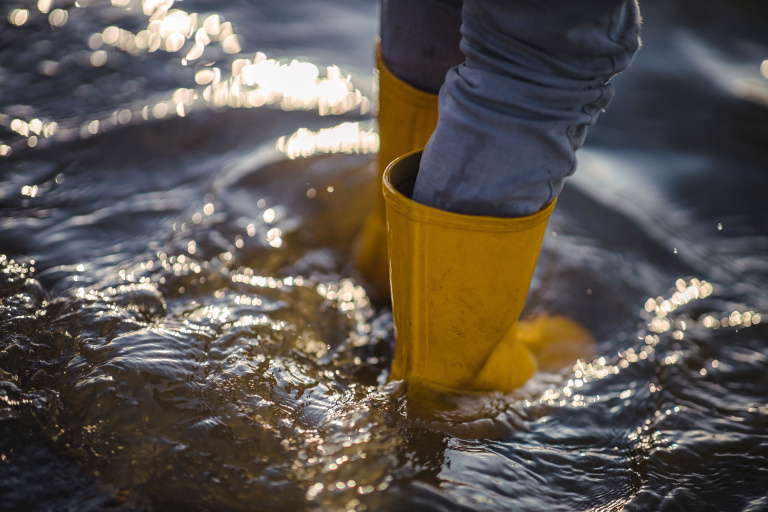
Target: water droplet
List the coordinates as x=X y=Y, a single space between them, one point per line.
x=231 y=44
x=274 y=237
x=98 y=58
x=18 y=17
x=110 y=35
x=44 y=6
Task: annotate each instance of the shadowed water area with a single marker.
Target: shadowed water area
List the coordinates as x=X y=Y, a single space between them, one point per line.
x=182 y=327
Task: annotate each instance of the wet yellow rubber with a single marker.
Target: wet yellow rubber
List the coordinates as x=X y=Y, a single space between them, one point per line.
x=459 y=284
x=406 y=117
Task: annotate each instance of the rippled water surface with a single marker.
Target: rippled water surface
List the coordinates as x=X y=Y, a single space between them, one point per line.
x=182 y=327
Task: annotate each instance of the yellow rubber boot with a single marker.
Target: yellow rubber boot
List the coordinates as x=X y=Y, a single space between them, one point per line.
x=459 y=284
x=406 y=117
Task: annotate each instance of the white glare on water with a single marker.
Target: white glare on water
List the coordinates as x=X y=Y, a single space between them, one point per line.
x=659 y=325
x=254 y=81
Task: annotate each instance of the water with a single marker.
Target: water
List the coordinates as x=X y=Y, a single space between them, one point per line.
x=182 y=328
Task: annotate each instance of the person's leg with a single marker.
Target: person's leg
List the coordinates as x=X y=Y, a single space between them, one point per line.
x=463 y=244
x=420 y=40
x=513 y=115
x=419 y=44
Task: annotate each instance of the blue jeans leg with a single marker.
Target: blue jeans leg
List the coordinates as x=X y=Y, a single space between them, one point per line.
x=513 y=114
x=420 y=40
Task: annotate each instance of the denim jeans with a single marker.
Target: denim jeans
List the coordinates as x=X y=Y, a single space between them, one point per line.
x=519 y=83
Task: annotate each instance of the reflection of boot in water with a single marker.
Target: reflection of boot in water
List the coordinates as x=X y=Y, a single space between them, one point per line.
x=459 y=283
x=407 y=117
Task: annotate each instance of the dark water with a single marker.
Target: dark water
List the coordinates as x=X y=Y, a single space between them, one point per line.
x=181 y=327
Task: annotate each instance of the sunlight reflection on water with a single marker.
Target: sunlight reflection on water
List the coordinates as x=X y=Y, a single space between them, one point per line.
x=250 y=83
x=179 y=316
